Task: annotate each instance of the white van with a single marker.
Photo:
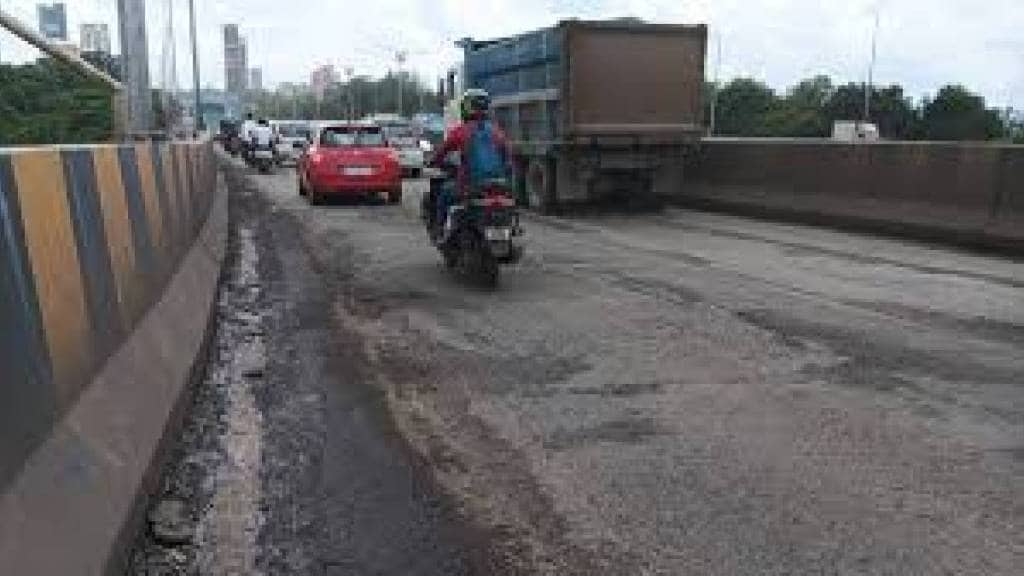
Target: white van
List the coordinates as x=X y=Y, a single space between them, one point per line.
x=854 y=131
x=292 y=138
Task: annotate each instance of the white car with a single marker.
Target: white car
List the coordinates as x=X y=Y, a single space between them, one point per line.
x=292 y=139
x=411 y=151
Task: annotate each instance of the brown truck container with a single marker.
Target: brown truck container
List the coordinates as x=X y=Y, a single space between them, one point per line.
x=596 y=111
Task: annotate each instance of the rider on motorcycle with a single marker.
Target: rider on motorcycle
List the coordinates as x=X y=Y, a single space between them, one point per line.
x=245 y=136
x=262 y=135
x=482 y=148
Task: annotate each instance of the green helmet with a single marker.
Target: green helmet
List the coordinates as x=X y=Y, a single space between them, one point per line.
x=475 y=104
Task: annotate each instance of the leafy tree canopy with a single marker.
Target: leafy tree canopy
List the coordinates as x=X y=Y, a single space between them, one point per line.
x=49 y=103
x=747 y=107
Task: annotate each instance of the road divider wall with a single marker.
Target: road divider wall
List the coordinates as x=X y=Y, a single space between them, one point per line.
x=94 y=244
x=960 y=193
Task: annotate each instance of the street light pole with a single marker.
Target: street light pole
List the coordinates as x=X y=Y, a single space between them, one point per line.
x=198 y=114
x=400 y=57
x=871 y=70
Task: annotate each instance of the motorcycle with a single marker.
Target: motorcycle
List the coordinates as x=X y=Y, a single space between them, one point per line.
x=263 y=159
x=478 y=233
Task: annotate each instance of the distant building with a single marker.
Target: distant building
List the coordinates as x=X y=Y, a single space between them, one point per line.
x=53 y=21
x=244 y=62
x=68 y=48
x=95 y=38
x=255 y=79
x=321 y=78
x=235 y=61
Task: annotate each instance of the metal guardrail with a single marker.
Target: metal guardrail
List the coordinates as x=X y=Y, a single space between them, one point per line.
x=28 y=35
x=118 y=103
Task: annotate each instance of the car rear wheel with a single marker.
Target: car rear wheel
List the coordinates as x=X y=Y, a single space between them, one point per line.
x=395 y=196
x=302 y=187
x=315 y=198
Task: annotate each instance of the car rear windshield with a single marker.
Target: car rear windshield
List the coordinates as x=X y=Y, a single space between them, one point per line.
x=342 y=136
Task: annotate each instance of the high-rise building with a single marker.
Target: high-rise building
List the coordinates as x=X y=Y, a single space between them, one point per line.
x=53 y=21
x=244 y=50
x=135 y=63
x=255 y=79
x=95 y=38
x=235 y=65
x=321 y=78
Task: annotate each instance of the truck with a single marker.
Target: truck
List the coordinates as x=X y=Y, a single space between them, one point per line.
x=854 y=131
x=595 y=111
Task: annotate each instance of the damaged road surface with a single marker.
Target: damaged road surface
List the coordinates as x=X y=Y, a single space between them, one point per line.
x=673 y=393
x=289 y=462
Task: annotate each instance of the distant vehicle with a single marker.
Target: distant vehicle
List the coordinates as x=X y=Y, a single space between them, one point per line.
x=263 y=159
x=349 y=159
x=385 y=119
x=411 y=149
x=594 y=110
x=428 y=122
x=263 y=155
x=293 y=138
x=400 y=135
x=854 y=131
x=228 y=136
x=430 y=130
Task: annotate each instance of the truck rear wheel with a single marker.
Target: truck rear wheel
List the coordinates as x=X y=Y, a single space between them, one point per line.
x=540 y=184
x=667 y=182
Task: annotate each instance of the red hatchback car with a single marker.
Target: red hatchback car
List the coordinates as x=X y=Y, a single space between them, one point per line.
x=349 y=160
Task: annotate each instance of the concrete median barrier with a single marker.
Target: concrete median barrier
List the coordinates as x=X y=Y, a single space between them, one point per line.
x=109 y=261
x=959 y=193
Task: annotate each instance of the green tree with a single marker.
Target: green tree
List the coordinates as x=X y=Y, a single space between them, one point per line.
x=49 y=103
x=365 y=95
x=895 y=115
x=958 y=114
x=1016 y=127
x=743 y=107
x=801 y=113
x=846 y=103
x=891 y=111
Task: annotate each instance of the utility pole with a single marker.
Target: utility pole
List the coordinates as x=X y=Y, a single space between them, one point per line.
x=871 y=70
x=169 y=74
x=131 y=18
x=714 y=95
x=198 y=114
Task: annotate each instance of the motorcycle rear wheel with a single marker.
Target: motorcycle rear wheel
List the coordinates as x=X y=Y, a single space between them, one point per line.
x=476 y=263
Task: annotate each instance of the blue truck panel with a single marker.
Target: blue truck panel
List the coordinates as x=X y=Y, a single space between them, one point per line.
x=500 y=66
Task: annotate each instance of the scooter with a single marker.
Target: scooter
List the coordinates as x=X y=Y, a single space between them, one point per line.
x=263 y=159
x=479 y=234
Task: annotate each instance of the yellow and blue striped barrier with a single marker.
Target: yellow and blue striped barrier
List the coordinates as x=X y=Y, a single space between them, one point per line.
x=89 y=237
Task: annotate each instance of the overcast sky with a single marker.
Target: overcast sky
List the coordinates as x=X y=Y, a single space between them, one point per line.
x=922 y=44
